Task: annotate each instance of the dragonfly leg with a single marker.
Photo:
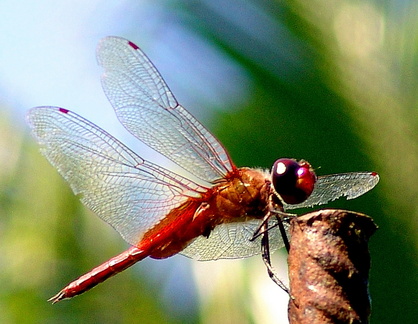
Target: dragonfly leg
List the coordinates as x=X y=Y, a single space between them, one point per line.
x=283 y=233
x=263 y=227
x=280 y=216
x=265 y=252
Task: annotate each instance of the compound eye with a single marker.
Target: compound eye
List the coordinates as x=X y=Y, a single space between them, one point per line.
x=294 y=181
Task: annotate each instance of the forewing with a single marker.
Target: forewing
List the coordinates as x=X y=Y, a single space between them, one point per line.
x=146 y=107
x=334 y=186
x=129 y=193
x=232 y=241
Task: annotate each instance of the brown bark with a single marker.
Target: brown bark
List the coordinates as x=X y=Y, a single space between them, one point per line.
x=329 y=264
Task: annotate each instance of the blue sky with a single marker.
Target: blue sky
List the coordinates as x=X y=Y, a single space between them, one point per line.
x=47 y=56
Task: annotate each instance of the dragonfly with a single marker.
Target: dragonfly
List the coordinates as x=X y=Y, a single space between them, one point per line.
x=212 y=210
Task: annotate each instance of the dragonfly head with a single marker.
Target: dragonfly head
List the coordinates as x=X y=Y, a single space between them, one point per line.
x=293 y=180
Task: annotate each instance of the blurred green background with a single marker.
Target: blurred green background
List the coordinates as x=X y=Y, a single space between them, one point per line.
x=332 y=82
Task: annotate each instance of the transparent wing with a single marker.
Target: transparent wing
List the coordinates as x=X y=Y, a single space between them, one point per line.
x=334 y=186
x=232 y=241
x=129 y=193
x=146 y=107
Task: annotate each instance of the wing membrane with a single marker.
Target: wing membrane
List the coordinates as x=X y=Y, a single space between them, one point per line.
x=232 y=240
x=129 y=193
x=146 y=107
x=334 y=186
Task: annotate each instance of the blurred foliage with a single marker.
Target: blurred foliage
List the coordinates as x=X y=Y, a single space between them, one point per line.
x=350 y=104
x=354 y=108
x=333 y=82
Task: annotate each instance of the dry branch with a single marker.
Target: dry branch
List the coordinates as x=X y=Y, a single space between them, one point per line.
x=329 y=266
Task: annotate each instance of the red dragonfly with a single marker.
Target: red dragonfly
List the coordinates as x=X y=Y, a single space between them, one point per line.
x=218 y=211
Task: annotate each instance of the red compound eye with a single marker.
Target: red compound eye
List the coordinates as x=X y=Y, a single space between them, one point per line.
x=294 y=181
